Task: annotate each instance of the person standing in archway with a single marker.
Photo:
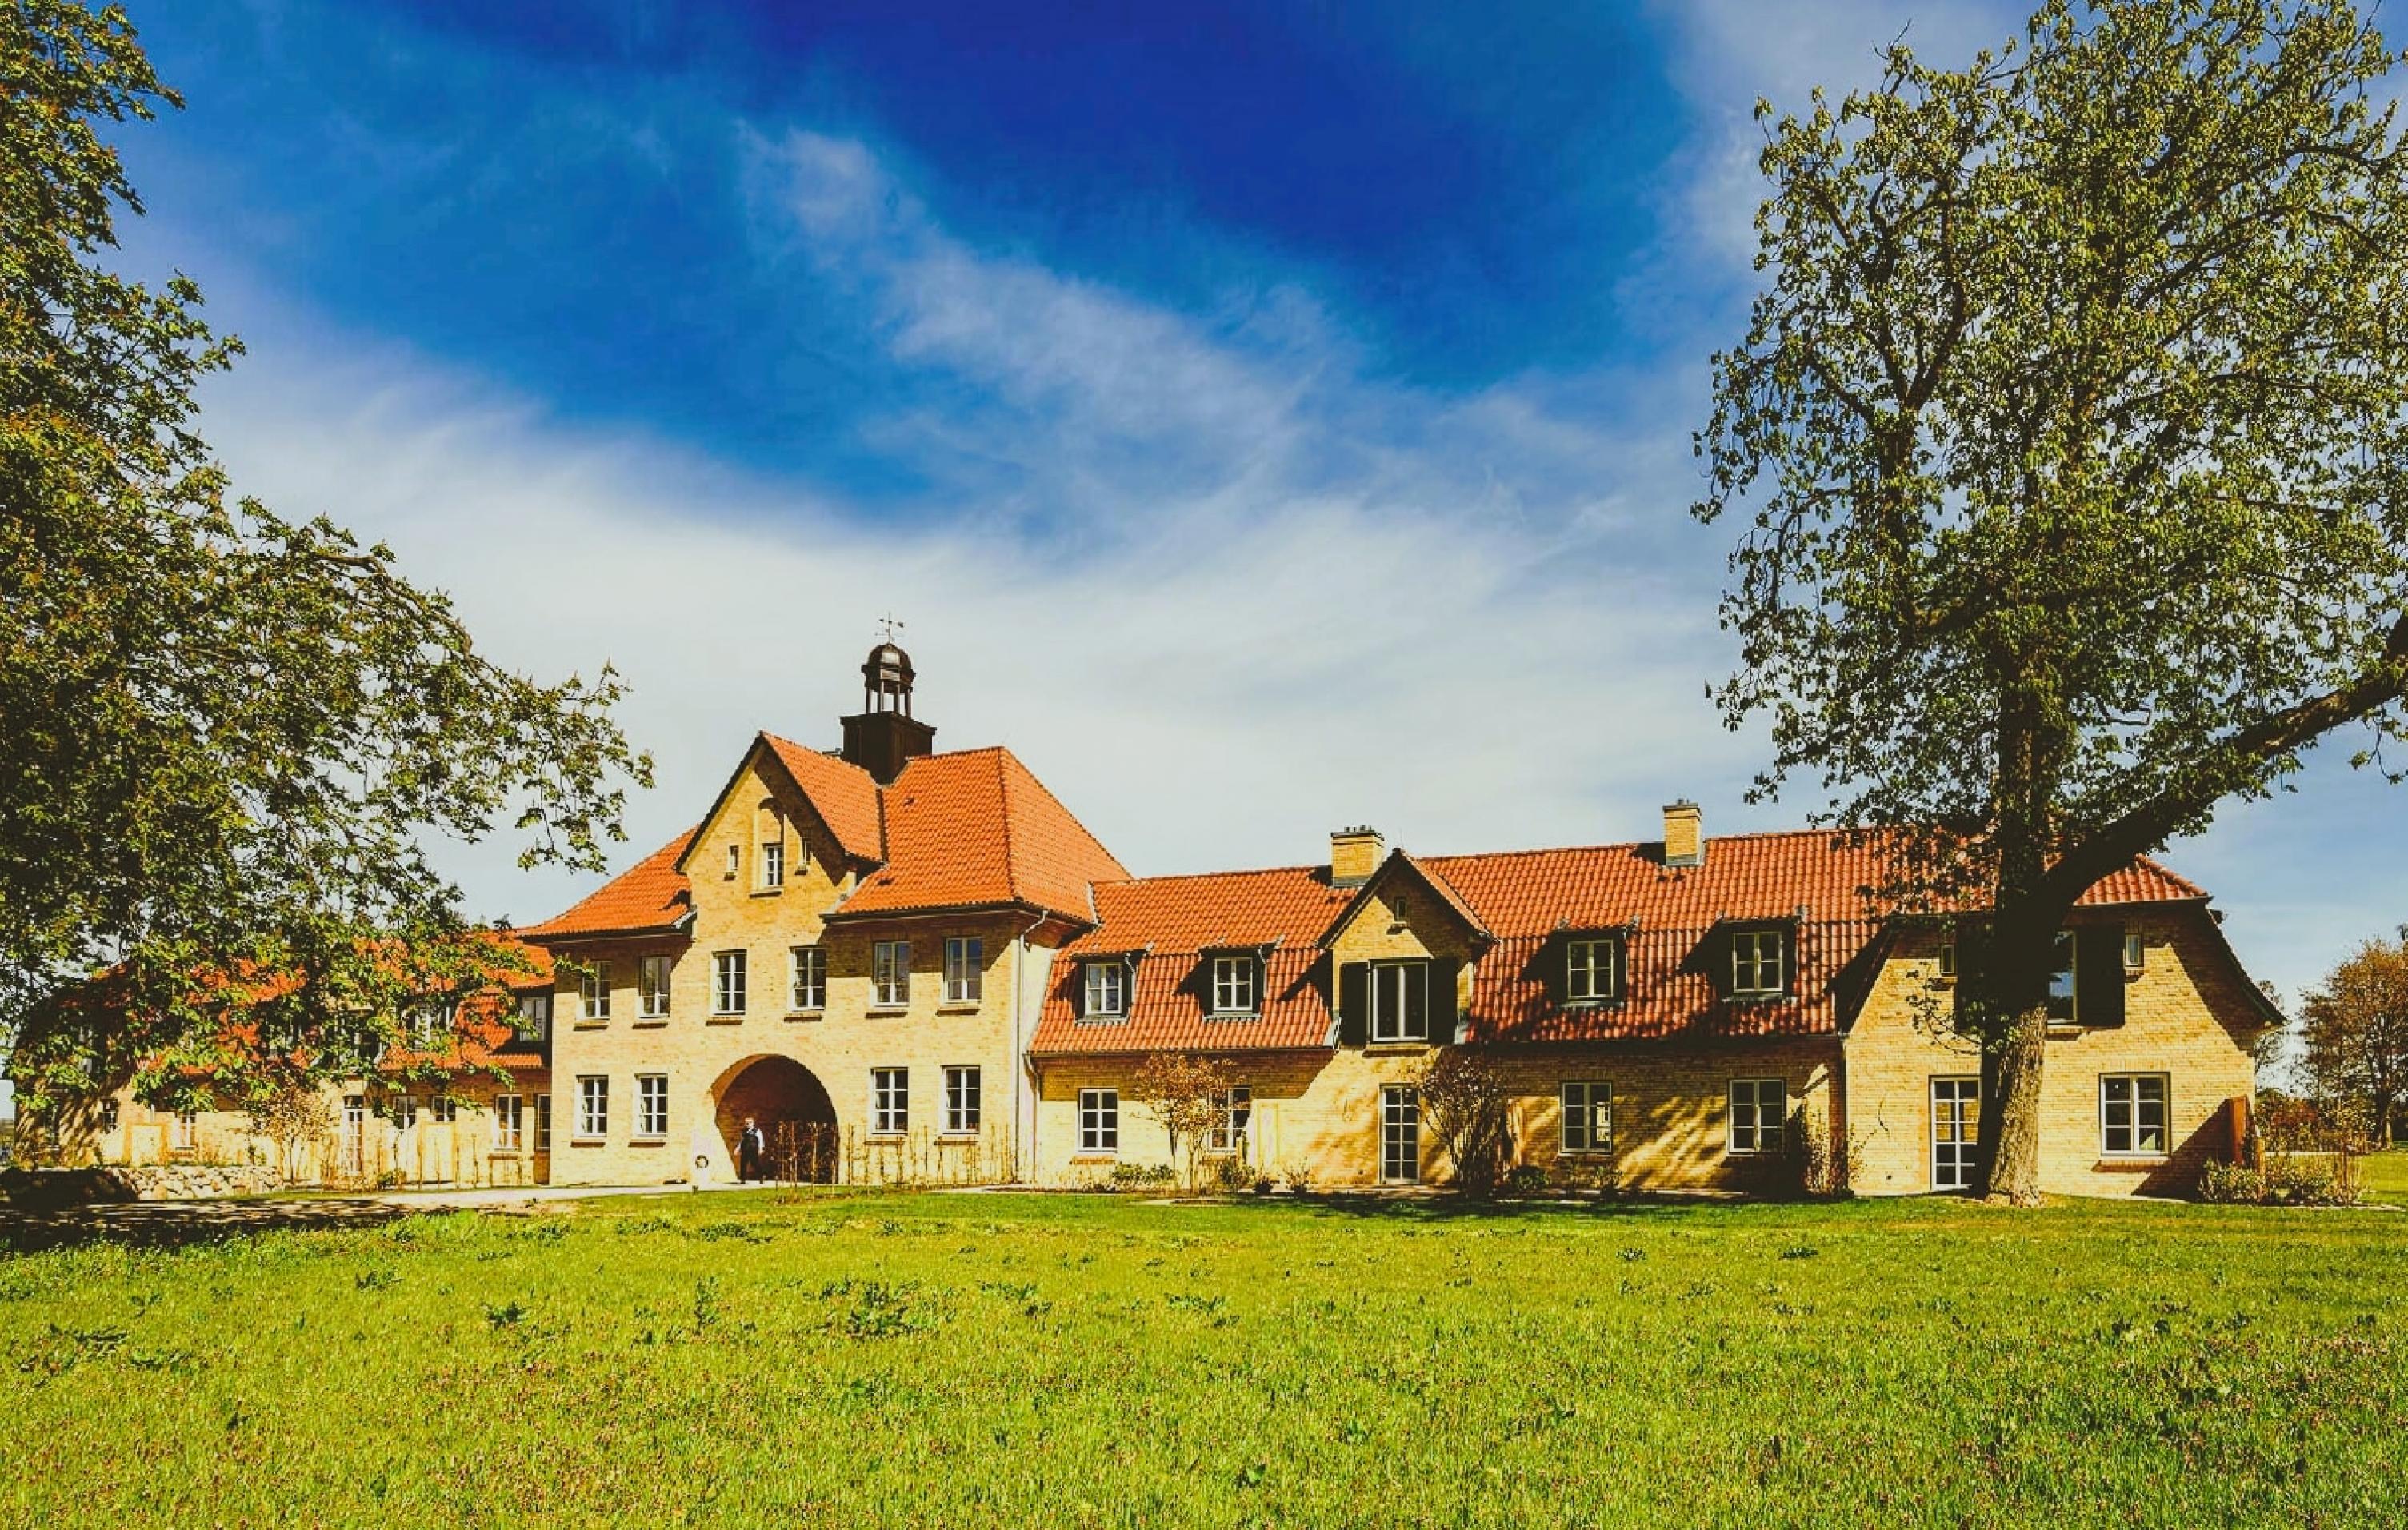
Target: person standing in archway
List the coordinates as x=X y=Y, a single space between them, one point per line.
x=750 y=1147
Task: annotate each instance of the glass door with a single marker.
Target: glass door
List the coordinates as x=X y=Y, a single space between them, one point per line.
x=1955 y=1122
x=1400 y=1134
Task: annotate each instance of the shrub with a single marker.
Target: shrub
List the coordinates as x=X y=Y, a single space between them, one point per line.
x=1469 y=1107
x=1143 y=1177
x=2231 y=1184
x=2287 y=1179
x=1526 y=1180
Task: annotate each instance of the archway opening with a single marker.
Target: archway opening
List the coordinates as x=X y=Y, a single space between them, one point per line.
x=797 y=1118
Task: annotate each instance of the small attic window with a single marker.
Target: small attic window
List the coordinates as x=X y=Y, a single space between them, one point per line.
x=1107 y=993
x=735 y=859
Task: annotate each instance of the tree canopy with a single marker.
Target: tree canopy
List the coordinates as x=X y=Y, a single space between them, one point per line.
x=2070 y=433
x=230 y=735
x=2355 y=1027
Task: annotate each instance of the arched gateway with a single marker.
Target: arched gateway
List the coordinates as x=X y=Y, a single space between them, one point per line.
x=793 y=1109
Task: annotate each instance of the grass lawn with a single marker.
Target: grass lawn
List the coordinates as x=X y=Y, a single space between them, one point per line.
x=2386 y=1176
x=960 y=1360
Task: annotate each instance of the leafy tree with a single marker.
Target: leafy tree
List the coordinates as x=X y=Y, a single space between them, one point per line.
x=2355 y=1029
x=228 y=733
x=1470 y=1106
x=2069 y=431
x=1188 y=1093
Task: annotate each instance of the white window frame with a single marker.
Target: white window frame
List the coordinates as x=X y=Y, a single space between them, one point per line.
x=735 y=860
x=1100 y=1123
x=444 y=1109
x=1749 y=955
x=890 y=1101
x=729 y=973
x=806 y=980
x=964 y=1102
x=535 y=1016
x=428 y=1022
x=2069 y=950
x=1959 y=1107
x=593 y=991
x=1745 y=1131
x=592 y=1108
x=1107 y=983
x=509 y=1118
x=652 y=987
x=184 y=1133
x=773 y=864
x=1400 y=1118
x=890 y=974
x=1394 y=1020
x=1588 y=1117
x=651 y=1105
x=2133 y=1103
x=1233 y=1129
x=1237 y=984
x=1593 y=969
x=965 y=969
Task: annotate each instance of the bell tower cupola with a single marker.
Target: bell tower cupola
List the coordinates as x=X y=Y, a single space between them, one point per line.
x=885 y=735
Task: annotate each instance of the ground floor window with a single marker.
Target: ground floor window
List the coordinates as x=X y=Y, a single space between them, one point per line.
x=1232 y=1131
x=962 y=1101
x=652 y=1105
x=2132 y=1113
x=1955 y=1125
x=446 y=1108
x=185 y=1134
x=1400 y=1134
x=506 y=1122
x=1759 y=1110
x=890 y=1101
x=593 y=1106
x=355 y=1133
x=1099 y=1121
x=1588 y=1116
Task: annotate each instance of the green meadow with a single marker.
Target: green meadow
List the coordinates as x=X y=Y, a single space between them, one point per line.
x=792 y=1357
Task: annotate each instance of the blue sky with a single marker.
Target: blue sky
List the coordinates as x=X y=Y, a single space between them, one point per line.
x=1264 y=417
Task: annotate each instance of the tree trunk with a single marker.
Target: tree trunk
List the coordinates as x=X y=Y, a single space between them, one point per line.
x=2012 y=1123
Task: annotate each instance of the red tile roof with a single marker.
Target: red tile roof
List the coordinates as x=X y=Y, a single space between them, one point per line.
x=844 y=795
x=976 y=829
x=652 y=895
x=1524 y=899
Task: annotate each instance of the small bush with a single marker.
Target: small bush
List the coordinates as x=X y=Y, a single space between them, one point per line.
x=2286 y=1179
x=1143 y=1177
x=1526 y=1180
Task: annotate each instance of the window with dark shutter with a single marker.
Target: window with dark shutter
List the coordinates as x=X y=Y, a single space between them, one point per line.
x=1443 y=1002
x=2098 y=974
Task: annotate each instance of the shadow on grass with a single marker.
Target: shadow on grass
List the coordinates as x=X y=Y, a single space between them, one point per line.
x=1447 y=1207
x=174 y=1224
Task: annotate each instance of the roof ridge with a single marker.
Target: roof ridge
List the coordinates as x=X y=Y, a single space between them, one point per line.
x=1003 y=801
x=1196 y=876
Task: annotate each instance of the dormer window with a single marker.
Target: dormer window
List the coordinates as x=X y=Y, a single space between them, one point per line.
x=1107 y=994
x=1237 y=984
x=1759 y=964
x=1593 y=967
x=1399 y=1001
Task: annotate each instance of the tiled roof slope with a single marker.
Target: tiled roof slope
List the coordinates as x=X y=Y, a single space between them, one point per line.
x=652 y=895
x=1524 y=899
x=975 y=828
x=1174 y=920
x=845 y=795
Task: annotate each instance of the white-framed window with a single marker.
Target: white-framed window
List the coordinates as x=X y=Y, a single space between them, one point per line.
x=1588 y=1116
x=1099 y=1121
x=1233 y=1132
x=2136 y=952
x=2065 y=981
x=735 y=860
x=773 y=864
x=107 y=1121
x=890 y=972
x=652 y=1105
x=508 y=1112
x=890 y=1101
x=593 y=991
x=404 y=1113
x=1759 y=1113
x=1400 y=1134
x=429 y=1023
x=1592 y=968
x=1107 y=988
x=652 y=987
x=1399 y=1001
x=185 y=1134
x=806 y=978
x=543 y=1123
x=962 y=1102
x=2132 y=1114
x=1759 y=963
x=1956 y=1130
x=445 y=1109
x=1948 y=958
x=1236 y=985
x=965 y=969
x=593 y=1105
x=727 y=982
x=535 y=1016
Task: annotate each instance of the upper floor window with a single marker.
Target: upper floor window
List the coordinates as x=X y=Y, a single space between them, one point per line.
x=1759 y=1112
x=965 y=969
x=1107 y=988
x=1235 y=984
x=735 y=859
x=1592 y=968
x=728 y=984
x=1759 y=963
x=773 y=864
x=2064 y=982
x=1400 y=1001
x=890 y=972
x=535 y=1016
x=593 y=985
x=430 y=1022
x=808 y=978
x=2132 y=1113
x=652 y=987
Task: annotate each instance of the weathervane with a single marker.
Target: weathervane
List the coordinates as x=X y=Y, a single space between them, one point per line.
x=888 y=627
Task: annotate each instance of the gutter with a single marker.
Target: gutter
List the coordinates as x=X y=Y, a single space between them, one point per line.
x=1022 y=1062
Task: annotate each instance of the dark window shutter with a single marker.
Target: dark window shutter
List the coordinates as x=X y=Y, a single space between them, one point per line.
x=1554 y=954
x=1353 y=1004
x=2098 y=974
x=1969 y=938
x=1442 y=1010
x=1793 y=942
x=1079 y=990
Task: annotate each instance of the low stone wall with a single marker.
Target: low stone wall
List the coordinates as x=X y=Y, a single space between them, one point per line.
x=142 y=1183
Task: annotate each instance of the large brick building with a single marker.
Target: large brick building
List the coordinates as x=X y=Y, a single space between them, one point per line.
x=920 y=965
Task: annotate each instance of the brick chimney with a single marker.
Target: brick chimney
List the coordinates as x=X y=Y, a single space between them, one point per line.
x=1354 y=855
x=1684 y=833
